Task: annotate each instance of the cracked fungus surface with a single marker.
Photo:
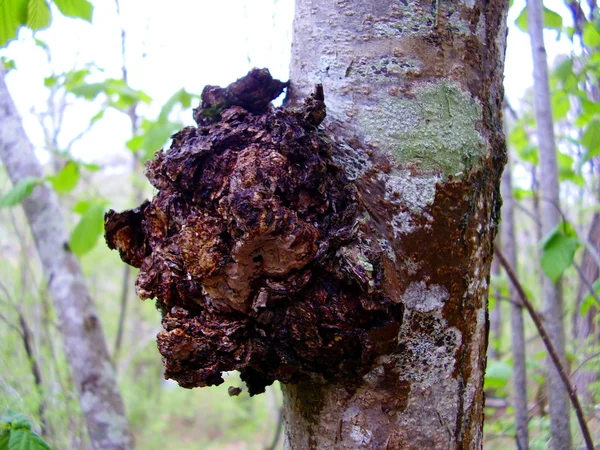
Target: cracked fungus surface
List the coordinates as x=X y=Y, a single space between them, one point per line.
x=245 y=246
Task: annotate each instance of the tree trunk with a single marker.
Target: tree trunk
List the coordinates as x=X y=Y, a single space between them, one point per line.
x=85 y=347
x=585 y=329
x=516 y=314
x=420 y=84
x=551 y=217
x=495 y=313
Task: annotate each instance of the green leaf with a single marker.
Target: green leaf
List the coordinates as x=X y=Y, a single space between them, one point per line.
x=552 y=20
x=92 y=167
x=590 y=106
x=66 y=180
x=589 y=300
x=41 y=44
x=22 y=439
x=38 y=14
x=521 y=20
x=14 y=418
x=8 y=64
x=591 y=139
x=521 y=193
x=560 y=105
x=518 y=137
x=135 y=143
x=96 y=117
x=564 y=71
x=81 y=9
x=22 y=189
x=156 y=137
x=4 y=437
x=50 y=81
x=529 y=154
x=180 y=97
x=75 y=78
x=89 y=91
x=591 y=36
x=13 y=14
x=81 y=206
x=497 y=375
x=566 y=171
x=86 y=233
x=558 y=250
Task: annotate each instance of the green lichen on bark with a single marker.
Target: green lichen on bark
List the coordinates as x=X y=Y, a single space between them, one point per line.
x=433 y=128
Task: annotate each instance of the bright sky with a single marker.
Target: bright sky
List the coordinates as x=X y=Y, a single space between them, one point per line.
x=187 y=43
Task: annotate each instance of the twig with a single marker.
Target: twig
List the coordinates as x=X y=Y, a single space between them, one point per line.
x=585 y=361
x=121 y=327
x=35 y=371
x=586 y=282
x=549 y=346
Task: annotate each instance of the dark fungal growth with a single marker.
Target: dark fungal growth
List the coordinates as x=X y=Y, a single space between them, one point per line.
x=250 y=246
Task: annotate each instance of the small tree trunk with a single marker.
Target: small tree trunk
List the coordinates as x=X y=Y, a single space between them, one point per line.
x=421 y=86
x=551 y=216
x=495 y=314
x=85 y=347
x=585 y=330
x=516 y=314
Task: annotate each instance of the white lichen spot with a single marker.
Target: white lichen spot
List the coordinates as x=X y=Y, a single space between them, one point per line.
x=354 y=161
x=360 y=435
x=428 y=357
x=424 y=298
x=411 y=195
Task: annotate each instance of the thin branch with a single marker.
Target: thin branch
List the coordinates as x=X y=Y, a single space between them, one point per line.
x=549 y=346
x=26 y=338
x=587 y=284
x=585 y=361
x=122 y=312
x=4 y=319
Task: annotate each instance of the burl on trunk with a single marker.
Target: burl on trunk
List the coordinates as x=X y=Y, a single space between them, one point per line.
x=262 y=252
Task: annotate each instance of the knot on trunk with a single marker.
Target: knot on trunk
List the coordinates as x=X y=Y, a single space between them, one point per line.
x=249 y=247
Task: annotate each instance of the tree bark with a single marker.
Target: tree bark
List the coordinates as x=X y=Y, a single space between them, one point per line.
x=585 y=330
x=419 y=84
x=516 y=314
x=551 y=217
x=84 y=343
x=495 y=313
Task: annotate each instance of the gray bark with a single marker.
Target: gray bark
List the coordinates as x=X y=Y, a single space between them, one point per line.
x=516 y=314
x=84 y=344
x=551 y=216
x=585 y=329
x=419 y=85
x=495 y=314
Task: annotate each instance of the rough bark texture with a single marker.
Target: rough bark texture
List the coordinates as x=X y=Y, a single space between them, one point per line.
x=585 y=328
x=91 y=369
x=519 y=383
x=551 y=216
x=419 y=82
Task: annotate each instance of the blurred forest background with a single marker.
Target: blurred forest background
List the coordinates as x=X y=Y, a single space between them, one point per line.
x=99 y=96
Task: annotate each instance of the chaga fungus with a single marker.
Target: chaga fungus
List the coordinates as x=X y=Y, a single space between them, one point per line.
x=246 y=246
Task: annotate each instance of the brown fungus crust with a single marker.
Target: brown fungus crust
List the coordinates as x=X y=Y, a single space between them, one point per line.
x=249 y=247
